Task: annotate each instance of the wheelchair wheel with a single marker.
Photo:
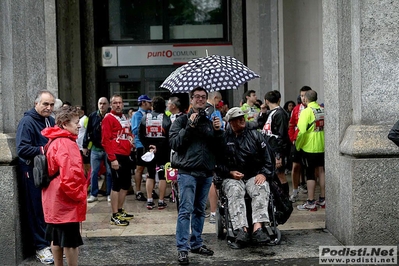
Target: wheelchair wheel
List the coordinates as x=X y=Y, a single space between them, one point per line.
x=276 y=238
x=220 y=233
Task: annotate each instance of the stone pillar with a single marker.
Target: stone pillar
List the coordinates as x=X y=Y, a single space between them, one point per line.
x=28 y=63
x=263 y=44
x=238 y=44
x=69 y=51
x=361 y=68
x=90 y=65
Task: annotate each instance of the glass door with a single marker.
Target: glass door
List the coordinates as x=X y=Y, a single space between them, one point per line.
x=129 y=91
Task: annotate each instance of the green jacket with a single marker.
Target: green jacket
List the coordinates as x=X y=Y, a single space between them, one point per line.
x=311 y=132
x=252 y=112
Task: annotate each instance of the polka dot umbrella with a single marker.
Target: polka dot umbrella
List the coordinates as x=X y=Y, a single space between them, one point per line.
x=213 y=73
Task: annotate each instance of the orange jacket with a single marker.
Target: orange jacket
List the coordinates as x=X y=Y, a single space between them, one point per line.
x=64 y=200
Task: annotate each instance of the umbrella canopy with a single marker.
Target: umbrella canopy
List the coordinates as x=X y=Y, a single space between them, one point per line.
x=213 y=73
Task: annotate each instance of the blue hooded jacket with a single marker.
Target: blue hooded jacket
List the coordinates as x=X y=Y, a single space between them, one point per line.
x=29 y=138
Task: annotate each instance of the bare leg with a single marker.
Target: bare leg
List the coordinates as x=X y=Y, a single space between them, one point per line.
x=57 y=254
x=213 y=198
x=121 y=198
x=138 y=177
x=311 y=188
x=162 y=189
x=257 y=226
x=114 y=201
x=149 y=185
x=295 y=174
x=71 y=255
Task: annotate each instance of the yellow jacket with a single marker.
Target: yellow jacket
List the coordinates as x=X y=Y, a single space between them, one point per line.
x=310 y=137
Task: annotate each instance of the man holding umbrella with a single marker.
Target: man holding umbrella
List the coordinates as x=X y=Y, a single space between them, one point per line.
x=196 y=140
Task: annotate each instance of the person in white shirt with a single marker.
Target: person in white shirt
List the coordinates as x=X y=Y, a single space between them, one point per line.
x=83 y=119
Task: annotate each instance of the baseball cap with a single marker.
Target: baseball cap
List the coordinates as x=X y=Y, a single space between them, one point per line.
x=234 y=113
x=144 y=98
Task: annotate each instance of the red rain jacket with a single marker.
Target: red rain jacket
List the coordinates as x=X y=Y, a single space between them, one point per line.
x=64 y=200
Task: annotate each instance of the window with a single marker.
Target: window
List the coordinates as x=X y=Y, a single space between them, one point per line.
x=146 y=21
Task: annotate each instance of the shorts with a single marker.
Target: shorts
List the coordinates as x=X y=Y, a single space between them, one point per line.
x=312 y=159
x=121 y=178
x=296 y=156
x=64 y=235
x=282 y=168
x=140 y=152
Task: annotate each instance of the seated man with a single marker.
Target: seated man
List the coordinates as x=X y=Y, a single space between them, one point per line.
x=246 y=166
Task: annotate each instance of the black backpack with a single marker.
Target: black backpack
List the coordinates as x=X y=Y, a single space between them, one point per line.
x=41 y=176
x=281 y=202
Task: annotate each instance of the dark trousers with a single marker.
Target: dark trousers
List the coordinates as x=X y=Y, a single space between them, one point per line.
x=34 y=211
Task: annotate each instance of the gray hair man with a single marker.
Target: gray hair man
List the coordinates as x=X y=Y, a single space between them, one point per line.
x=30 y=142
x=246 y=167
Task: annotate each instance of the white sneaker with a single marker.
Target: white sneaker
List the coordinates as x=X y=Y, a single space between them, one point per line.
x=303 y=189
x=92 y=199
x=109 y=198
x=45 y=256
x=307 y=206
x=212 y=219
x=293 y=197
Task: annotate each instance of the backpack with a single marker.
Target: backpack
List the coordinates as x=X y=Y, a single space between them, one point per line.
x=154 y=126
x=281 y=202
x=41 y=176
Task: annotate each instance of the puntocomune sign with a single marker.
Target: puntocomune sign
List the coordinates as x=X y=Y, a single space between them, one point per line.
x=149 y=55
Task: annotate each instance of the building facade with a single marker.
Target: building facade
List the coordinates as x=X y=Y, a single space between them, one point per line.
x=345 y=50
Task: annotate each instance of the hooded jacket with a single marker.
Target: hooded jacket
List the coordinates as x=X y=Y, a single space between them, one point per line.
x=64 y=200
x=29 y=139
x=195 y=149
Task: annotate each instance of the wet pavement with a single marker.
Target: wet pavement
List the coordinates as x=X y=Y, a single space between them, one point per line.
x=150 y=239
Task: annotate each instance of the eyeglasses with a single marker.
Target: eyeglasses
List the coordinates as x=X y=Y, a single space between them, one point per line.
x=197 y=97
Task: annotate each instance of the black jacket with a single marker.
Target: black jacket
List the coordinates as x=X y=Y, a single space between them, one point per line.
x=279 y=127
x=93 y=130
x=248 y=153
x=195 y=149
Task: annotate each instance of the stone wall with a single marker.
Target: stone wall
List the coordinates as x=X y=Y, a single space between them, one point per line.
x=361 y=66
x=28 y=63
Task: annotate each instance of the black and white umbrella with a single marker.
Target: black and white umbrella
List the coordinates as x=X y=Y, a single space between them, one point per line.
x=213 y=73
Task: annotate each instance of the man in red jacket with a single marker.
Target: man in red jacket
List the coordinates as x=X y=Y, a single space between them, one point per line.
x=295 y=155
x=117 y=141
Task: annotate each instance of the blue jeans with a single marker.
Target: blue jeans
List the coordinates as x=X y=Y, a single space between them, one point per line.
x=96 y=157
x=193 y=196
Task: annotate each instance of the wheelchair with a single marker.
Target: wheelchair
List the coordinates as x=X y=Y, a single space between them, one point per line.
x=224 y=227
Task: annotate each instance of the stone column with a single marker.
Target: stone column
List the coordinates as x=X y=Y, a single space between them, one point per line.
x=89 y=63
x=361 y=69
x=28 y=63
x=69 y=51
x=263 y=45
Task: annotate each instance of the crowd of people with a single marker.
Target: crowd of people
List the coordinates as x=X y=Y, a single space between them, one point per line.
x=246 y=146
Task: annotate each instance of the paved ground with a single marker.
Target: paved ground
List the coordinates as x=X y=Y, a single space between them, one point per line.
x=149 y=239
x=298 y=247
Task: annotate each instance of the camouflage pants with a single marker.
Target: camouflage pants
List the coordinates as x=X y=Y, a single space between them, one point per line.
x=235 y=192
